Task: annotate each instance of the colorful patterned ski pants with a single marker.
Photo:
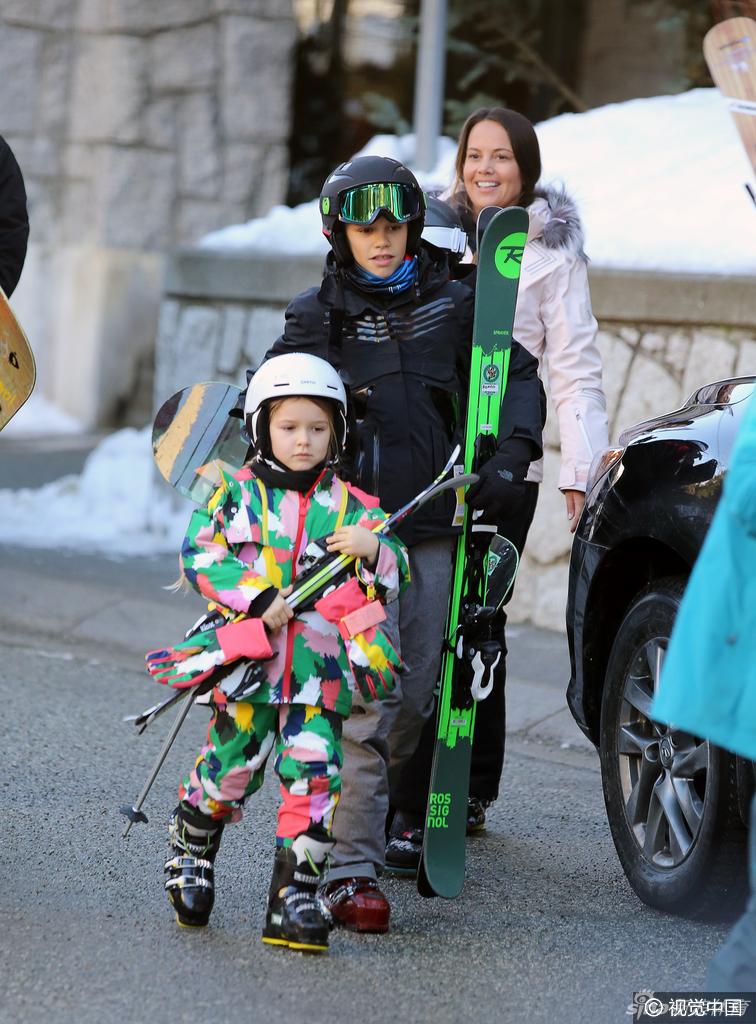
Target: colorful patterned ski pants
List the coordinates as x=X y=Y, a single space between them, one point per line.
x=231 y=766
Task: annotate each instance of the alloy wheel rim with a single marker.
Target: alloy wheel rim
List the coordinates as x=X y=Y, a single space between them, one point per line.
x=663 y=771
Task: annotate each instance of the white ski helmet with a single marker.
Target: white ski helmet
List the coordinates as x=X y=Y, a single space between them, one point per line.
x=295 y=375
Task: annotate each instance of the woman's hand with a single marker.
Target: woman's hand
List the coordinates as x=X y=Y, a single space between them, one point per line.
x=355 y=541
x=278 y=613
x=575 y=501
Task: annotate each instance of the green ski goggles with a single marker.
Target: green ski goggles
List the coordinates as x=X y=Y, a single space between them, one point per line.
x=362 y=204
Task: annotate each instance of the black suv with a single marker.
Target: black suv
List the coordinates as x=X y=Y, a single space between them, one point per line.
x=677 y=806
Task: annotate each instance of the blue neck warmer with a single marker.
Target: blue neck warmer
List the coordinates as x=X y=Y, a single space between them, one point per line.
x=403 y=278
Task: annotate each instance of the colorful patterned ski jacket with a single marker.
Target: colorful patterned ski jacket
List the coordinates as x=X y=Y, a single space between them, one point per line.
x=251 y=538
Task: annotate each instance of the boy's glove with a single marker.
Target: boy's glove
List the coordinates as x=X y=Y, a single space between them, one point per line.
x=497 y=492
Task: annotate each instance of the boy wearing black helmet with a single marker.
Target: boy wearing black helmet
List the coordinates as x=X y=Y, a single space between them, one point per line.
x=399 y=331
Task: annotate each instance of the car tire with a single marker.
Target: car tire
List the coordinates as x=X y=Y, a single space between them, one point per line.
x=671 y=798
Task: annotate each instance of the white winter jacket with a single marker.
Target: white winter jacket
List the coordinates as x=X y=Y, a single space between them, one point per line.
x=555 y=323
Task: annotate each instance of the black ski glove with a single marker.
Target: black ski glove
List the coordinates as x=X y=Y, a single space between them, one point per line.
x=501 y=486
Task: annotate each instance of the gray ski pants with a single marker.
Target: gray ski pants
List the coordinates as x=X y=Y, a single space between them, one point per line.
x=385 y=733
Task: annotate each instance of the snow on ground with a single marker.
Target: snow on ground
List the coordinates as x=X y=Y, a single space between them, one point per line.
x=117 y=505
x=298 y=229
x=660 y=186
x=659 y=183
x=38 y=416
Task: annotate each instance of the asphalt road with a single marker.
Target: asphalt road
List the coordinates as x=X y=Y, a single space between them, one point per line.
x=546 y=930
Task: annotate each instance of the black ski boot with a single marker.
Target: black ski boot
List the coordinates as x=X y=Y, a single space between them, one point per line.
x=404 y=848
x=190 y=884
x=296 y=916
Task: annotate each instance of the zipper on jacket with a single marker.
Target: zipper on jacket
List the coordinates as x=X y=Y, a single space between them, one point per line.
x=304 y=504
x=584 y=432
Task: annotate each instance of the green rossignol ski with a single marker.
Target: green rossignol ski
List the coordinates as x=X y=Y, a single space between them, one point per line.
x=472 y=649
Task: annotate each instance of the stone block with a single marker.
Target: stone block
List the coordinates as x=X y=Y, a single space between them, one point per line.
x=197 y=217
x=198 y=151
x=256 y=63
x=79 y=218
x=551 y=429
x=653 y=342
x=54 y=83
x=20 y=56
x=746 y=364
x=255 y=175
x=262 y=8
x=266 y=324
x=136 y=196
x=550 y=597
x=45 y=14
x=615 y=359
x=109 y=88
x=168 y=321
x=183 y=59
x=41 y=202
x=80 y=160
x=106 y=304
x=269 y=187
x=232 y=339
x=520 y=608
x=712 y=357
x=195 y=346
x=549 y=538
x=160 y=119
x=140 y=17
x=37 y=155
x=240 y=170
x=678 y=351
x=649 y=391
x=630 y=335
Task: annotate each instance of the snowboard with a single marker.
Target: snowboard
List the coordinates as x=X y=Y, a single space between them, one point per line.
x=730 y=52
x=17 y=370
x=473 y=637
x=196 y=434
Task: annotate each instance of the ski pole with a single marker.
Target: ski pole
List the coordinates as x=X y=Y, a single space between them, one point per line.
x=135 y=813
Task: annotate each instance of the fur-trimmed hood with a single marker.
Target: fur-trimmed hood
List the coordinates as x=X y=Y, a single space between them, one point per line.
x=554 y=219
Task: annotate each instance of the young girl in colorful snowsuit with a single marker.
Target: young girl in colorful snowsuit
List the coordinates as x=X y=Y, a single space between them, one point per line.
x=387 y=315
x=242 y=553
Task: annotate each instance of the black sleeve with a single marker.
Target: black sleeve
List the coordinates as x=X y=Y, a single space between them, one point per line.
x=523 y=411
x=14 y=222
x=304 y=327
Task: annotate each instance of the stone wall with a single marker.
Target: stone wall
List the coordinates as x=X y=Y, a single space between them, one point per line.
x=139 y=125
x=661 y=336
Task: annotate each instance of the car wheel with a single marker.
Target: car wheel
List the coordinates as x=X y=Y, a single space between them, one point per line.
x=671 y=798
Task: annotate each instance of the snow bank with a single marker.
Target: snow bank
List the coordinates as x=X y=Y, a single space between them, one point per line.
x=298 y=229
x=38 y=416
x=659 y=183
x=118 y=505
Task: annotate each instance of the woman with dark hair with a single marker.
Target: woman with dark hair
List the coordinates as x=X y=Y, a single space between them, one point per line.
x=498 y=164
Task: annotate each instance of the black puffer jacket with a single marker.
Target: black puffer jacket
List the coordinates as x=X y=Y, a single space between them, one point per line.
x=405 y=359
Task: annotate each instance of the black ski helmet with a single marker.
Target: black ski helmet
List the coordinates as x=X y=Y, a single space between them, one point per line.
x=370 y=170
x=443 y=229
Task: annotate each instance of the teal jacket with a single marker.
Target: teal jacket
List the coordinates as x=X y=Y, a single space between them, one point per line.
x=708 y=682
